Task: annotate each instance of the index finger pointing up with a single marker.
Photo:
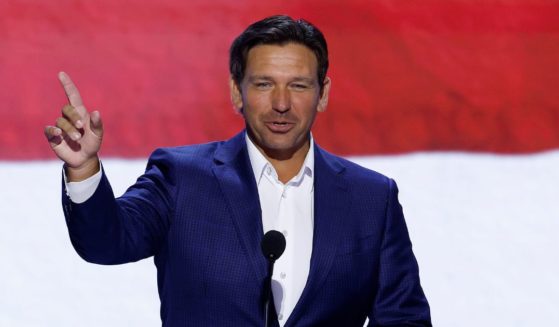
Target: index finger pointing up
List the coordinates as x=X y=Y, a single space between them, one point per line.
x=71 y=90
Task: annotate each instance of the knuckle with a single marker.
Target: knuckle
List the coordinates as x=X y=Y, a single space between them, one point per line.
x=67 y=109
x=80 y=111
x=61 y=122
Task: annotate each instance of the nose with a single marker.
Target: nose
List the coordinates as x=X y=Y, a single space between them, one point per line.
x=281 y=101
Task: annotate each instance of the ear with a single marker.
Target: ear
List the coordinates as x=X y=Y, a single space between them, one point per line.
x=236 y=96
x=323 y=101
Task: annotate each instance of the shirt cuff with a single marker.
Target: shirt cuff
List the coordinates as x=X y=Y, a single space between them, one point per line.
x=79 y=192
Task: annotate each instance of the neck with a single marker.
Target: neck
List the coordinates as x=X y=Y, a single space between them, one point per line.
x=287 y=168
x=286 y=163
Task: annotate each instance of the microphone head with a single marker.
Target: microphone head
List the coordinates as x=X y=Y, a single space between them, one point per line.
x=273 y=245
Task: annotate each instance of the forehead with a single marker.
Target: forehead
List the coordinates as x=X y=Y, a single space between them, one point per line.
x=290 y=58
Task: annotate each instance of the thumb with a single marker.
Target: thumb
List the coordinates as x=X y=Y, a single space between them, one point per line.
x=96 y=124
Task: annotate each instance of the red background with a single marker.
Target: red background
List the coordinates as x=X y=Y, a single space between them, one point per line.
x=477 y=75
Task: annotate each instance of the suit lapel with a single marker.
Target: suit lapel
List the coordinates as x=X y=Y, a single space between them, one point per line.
x=234 y=173
x=331 y=204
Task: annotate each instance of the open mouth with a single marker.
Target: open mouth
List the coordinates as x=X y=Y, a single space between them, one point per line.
x=279 y=126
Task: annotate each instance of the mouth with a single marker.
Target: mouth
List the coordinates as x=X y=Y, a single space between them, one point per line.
x=279 y=126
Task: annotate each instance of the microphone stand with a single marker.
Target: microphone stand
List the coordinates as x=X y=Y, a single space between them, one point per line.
x=273 y=245
x=268 y=292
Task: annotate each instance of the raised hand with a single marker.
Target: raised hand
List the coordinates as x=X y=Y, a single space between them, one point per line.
x=76 y=138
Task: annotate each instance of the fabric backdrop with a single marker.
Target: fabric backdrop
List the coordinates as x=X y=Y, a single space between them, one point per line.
x=407 y=75
x=457 y=100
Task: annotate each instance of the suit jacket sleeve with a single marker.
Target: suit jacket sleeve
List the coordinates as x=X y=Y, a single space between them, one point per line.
x=106 y=230
x=400 y=300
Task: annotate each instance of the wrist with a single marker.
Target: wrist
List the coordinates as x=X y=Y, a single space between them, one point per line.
x=84 y=171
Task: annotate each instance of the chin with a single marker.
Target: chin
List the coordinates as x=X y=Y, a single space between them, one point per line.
x=278 y=146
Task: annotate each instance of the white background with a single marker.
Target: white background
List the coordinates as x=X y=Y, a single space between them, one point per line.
x=484 y=228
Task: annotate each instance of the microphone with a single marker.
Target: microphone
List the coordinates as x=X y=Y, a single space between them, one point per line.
x=273 y=245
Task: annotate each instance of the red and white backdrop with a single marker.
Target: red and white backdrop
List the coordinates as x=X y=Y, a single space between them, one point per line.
x=458 y=100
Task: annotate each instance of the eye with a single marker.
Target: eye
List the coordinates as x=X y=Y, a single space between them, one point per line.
x=299 y=86
x=262 y=85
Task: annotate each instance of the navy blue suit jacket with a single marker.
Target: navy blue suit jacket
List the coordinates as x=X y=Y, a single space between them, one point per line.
x=196 y=210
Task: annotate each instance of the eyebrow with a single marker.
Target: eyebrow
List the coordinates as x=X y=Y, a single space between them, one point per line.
x=259 y=78
x=304 y=79
x=269 y=78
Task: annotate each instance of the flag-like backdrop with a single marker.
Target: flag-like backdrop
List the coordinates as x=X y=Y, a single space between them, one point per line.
x=456 y=99
x=407 y=75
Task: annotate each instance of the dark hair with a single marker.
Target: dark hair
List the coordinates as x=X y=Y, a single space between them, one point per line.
x=279 y=30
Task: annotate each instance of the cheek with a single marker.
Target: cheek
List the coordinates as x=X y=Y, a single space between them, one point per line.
x=250 y=109
x=305 y=106
x=256 y=104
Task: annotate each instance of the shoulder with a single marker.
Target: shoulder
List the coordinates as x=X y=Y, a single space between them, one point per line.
x=356 y=175
x=201 y=154
x=195 y=152
x=177 y=163
x=184 y=158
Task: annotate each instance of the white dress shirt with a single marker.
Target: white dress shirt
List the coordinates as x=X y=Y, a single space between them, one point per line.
x=287 y=208
x=79 y=192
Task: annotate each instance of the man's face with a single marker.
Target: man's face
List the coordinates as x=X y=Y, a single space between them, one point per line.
x=279 y=97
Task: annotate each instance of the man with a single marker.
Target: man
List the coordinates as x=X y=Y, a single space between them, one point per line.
x=202 y=210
